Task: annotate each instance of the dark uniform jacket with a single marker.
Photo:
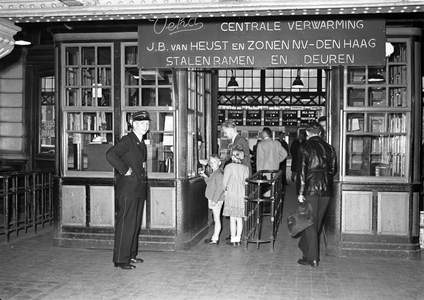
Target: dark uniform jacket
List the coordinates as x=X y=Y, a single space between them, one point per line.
x=316 y=168
x=129 y=152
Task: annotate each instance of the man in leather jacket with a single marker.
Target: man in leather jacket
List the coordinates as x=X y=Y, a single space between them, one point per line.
x=314 y=183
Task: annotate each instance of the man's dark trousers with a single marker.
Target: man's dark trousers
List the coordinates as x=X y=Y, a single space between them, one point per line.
x=127 y=229
x=309 y=240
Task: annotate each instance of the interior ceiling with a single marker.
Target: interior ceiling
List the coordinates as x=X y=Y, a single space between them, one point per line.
x=31 y=11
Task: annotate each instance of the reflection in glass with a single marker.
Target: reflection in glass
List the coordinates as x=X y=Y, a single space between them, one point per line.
x=377 y=96
x=104 y=76
x=131 y=97
x=71 y=56
x=379 y=155
x=165 y=96
x=356 y=75
x=85 y=152
x=165 y=77
x=160 y=152
x=71 y=97
x=71 y=78
x=87 y=56
x=355 y=96
x=131 y=55
x=87 y=75
x=148 y=97
x=355 y=122
x=376 y=123
x=104 y=56
x=132 y=76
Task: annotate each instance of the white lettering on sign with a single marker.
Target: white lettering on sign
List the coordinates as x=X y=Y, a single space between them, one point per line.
x=195 y=42
x=279 y=59
x=209 y=45
x=187 y=61
x=182 y=25
x=330 y=59
x=326 y=24
x=251 y=26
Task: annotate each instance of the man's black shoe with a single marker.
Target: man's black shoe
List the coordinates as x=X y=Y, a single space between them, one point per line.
x=304 y=262
x=124 y=266
x=136 y=260
x=314 y=263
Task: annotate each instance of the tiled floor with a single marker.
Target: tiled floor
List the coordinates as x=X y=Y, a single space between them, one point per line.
x=31 y=268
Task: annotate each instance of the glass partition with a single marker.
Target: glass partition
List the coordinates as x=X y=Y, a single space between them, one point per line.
x=377 y=119
x=87 y=109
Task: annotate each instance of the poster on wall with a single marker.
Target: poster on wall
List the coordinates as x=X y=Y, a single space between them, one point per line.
x=191 y=42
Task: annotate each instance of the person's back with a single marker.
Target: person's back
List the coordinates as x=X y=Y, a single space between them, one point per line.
x=315 y=170
x=235 y=176
x=233 y=183
x=269 y=152
x=319 y=161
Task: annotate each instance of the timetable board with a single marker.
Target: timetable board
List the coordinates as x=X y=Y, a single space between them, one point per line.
x=290 y=117
x=253 y=117
x=307 y=116
x=236 y=115
x=271 y=118
x=221 y=116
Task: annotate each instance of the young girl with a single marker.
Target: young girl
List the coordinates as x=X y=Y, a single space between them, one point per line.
x=233 y=182
x=215 y=195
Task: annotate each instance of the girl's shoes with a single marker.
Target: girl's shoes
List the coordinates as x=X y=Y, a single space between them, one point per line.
x=211 y=242
x=235 y=244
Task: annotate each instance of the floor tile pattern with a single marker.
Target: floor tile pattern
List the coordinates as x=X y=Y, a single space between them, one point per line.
x=31 y=268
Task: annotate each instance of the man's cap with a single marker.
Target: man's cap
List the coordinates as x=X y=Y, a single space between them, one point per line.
x=141 y=116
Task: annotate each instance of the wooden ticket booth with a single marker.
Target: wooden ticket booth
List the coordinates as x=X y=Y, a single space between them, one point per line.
x=173 y=69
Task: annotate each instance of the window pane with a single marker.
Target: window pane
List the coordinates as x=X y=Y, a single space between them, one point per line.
x=104 y=76
x=131 y=97
x=72 y=56
x=148 y=97
x=104 y=56
x=131 y=56
x=71 y=76
x=87 y=57
x=47 y=136
x=85 y=154
x=165 y=96
x=160 y=152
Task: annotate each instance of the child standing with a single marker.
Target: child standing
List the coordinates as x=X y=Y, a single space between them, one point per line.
x=233 y=182
x=215 y=195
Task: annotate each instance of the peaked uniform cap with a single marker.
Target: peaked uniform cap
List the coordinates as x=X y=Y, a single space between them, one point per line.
x=141 y=116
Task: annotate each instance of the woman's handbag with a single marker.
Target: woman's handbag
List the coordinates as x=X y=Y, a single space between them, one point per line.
x=301 y=219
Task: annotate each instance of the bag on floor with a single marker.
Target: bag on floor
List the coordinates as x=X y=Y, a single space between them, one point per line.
x=301 y=219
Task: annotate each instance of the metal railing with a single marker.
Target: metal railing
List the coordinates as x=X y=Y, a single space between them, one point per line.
x=26 y=200
x=264 y=198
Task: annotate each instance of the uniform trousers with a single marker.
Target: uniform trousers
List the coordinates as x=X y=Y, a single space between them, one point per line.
x=309 y=239
x=127 y=228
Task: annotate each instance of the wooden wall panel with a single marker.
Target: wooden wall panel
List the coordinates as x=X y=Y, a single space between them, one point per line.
x=393 y=212
x=102 y=206
x=357 y=212
x=73 y=205
x=162 y=207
